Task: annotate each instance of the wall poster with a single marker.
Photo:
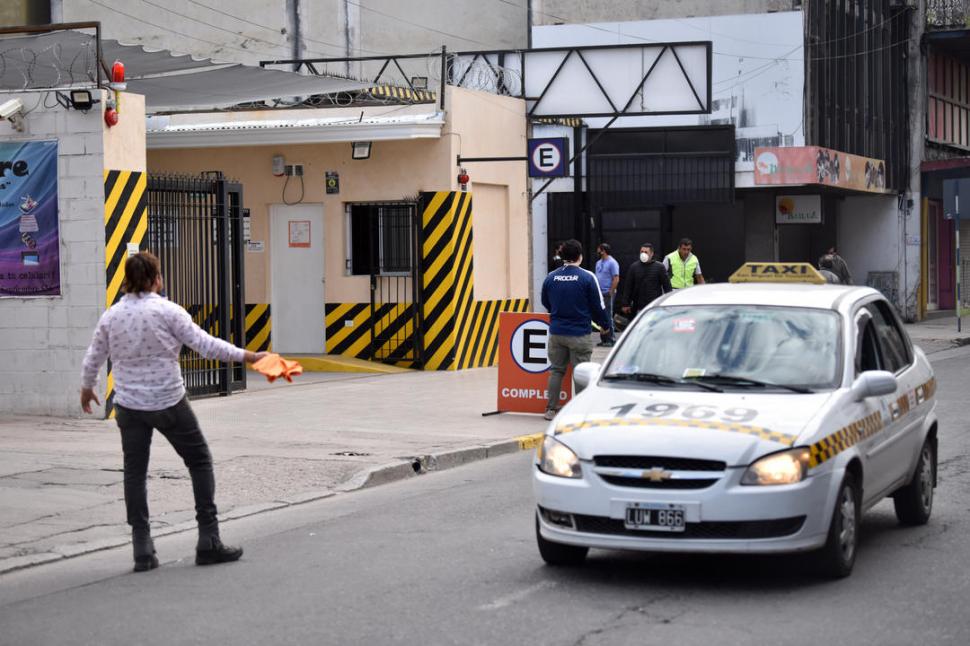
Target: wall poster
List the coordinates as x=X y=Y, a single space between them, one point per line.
x=29 y=239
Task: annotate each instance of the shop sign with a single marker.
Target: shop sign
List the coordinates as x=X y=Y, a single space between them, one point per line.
x=817 y=165
x=523 y=365
x=798 y=209
x=29 y=236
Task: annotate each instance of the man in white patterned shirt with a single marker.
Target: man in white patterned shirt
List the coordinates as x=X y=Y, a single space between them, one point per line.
x=143 y=334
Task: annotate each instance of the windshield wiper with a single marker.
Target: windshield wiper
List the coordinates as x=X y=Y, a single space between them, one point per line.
x=654 y=378
x=735 y=380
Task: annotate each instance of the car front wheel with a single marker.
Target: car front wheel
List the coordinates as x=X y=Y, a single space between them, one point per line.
x=557 y=553
x=836 y=559
x=914 y=502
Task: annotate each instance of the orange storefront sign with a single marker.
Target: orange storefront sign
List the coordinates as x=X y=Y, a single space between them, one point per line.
x=818 y=166
x=523 y=368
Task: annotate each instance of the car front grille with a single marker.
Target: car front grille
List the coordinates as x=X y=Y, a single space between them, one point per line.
x=737 y=530
x=650 y=461
x=641 y=483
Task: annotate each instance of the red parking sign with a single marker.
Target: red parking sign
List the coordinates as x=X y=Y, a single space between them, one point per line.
x=523 y=365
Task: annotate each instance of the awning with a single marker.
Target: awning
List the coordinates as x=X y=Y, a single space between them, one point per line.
x=65 y=59
x=279 y=127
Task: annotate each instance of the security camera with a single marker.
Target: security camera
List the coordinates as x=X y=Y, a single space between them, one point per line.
x=10 y=108
x=13 y=111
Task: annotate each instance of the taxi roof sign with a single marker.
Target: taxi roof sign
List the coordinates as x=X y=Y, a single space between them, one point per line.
x=777 y=272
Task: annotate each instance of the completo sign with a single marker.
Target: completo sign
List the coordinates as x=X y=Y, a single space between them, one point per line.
x=816 y=165
x=547 y=157
x=523 y=365
x=798 y=209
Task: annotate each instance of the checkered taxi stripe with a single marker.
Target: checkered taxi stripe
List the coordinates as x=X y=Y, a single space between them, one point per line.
x=830 y=446
x=744 y=429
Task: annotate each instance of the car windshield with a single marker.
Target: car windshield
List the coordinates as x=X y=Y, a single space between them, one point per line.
x=744 y=346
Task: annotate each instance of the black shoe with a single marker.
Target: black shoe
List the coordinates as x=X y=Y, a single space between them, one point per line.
x=218 y=553
x=145 y=563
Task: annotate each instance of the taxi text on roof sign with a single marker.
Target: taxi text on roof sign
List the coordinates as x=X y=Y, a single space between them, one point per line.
x=777 y=272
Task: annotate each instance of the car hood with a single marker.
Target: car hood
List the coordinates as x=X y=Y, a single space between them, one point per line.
x=735 y=426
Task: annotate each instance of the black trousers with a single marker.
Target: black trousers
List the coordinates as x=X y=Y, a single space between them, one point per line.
x=180 y=427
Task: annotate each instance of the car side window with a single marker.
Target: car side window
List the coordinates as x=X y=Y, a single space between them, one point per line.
x=867 y=355
x=895 y=350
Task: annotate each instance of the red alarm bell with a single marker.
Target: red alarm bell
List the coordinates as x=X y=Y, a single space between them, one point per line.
x=118 y=76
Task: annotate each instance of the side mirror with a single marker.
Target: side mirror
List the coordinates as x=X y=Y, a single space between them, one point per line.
x=874 y=383
x=584 y=374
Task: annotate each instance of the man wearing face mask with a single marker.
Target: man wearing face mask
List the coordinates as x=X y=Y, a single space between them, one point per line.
x=646 y=279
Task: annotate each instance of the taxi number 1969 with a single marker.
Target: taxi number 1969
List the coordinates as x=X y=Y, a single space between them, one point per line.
x=700 y=412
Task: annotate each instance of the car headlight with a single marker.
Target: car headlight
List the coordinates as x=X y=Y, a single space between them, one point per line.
x=787 y=467
x=557 y=459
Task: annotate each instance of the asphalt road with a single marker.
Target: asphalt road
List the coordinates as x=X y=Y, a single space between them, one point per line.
x=450 y=558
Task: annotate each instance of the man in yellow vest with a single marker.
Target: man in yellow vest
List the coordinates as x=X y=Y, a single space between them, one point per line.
x=683 y=267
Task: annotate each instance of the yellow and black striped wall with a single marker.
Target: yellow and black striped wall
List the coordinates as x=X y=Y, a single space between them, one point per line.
x=349 y=327
x=457 y=331
x=125 y=222
x=259 y=326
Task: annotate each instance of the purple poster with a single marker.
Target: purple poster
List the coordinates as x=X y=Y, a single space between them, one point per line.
x=29 y=241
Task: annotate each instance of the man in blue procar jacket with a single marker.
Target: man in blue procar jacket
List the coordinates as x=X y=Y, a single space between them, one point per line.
x=572 y=296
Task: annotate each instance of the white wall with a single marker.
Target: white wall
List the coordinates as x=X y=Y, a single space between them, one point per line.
x=870 y=236
x=552 y=12
x=43 y=339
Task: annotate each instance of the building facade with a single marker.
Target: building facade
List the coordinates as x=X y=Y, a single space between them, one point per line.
x=827 y=83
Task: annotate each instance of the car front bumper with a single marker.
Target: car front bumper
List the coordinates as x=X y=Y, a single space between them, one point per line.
x=725 y=517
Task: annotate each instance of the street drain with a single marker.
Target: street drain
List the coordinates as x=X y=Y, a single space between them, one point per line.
x=351 y=454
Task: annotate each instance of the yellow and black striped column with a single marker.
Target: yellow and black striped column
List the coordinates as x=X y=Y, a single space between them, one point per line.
x=459 y=332
x=125 y=222
x=446 y=273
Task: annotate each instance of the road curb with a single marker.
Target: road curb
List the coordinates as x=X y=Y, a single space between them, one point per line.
x=383 y=474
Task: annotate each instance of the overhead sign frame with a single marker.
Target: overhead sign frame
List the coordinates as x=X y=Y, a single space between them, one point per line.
x=604 y=80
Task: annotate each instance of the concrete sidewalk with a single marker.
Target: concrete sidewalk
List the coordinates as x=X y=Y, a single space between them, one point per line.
x=276 y=445
x=938 y=334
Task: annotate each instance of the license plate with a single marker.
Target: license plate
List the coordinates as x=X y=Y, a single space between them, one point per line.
x=655 y=517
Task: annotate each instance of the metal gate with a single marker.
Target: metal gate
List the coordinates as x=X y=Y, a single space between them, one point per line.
x=195 y=229
x=395 y=298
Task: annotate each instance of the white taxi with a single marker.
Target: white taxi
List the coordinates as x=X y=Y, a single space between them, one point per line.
x=755 y=417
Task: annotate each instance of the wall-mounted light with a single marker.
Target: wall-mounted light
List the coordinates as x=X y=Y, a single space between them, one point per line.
x=82 y=100
x=360 y=149
x=419 y=82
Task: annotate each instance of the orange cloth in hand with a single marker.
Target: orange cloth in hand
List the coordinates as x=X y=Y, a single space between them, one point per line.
x=274 y=366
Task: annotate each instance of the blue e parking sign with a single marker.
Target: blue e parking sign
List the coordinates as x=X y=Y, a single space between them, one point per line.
x=547 y=157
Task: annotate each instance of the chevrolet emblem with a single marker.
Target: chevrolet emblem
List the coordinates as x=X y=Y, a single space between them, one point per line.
x=656 y=474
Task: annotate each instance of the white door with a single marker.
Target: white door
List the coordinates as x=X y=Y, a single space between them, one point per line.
x=297 y=268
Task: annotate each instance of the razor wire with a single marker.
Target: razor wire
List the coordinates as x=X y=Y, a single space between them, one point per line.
x=47 y=68
x=477 y=72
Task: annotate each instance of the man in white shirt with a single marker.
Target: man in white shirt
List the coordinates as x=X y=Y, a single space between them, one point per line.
x=143 y=334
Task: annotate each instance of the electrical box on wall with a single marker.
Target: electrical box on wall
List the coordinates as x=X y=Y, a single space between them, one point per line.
x=278 y=163
x=295 y=170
